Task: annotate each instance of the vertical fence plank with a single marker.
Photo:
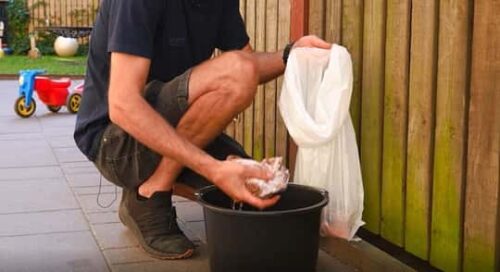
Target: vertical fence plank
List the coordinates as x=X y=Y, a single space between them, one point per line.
x=317 y=17
x=333 y=20
x=395 y=120
x=283 y=38
x=449 y=152
x=481 y=210
x=270 y=87
x=420 y=127
x=352 y=39
x=260 y=46
x=238 y=125
x=372 y=109
x=248 y=114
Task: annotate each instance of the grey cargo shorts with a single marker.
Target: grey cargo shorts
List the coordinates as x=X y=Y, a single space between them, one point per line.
x=124 y=161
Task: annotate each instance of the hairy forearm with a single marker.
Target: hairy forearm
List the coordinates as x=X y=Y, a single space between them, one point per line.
x=129 y=110
x=270 y=65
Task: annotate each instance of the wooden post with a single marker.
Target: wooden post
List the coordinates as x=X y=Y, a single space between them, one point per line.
x=420 y=127
x=397 y=63
x=481 y=247
x=453 y=74
x=298 y=27
x=372 y=109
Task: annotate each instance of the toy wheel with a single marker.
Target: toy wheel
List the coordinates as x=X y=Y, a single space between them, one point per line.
x=21 y=109
x=54 y=108
x=74 y=102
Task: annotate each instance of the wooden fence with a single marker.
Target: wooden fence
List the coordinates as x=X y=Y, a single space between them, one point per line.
x=260 y=128
x=45 y=13
x=424 y=106
x=426 y=93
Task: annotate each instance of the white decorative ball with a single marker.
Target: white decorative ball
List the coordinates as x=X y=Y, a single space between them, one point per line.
x=65 y=47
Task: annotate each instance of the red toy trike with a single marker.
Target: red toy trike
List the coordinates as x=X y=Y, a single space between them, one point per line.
x=53 y=93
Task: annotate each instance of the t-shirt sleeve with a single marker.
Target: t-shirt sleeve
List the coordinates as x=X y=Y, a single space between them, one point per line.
x=132 y=26
x=232 y=33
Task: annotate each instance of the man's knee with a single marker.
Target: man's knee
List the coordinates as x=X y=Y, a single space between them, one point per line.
x=243 y=76
x=243 y=66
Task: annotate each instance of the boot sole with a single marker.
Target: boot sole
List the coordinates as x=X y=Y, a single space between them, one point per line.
x=128 y=222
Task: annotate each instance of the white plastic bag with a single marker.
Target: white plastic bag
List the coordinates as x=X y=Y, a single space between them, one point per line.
x=314 y=104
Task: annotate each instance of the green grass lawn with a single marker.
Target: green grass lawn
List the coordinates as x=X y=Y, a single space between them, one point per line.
x=52 y=64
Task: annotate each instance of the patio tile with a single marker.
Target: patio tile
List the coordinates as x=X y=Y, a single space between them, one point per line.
x=58 y=131
x=69 y=154
x=30 y=173
x=127 y=255
x=15 y=124
x=89 y=202
x=43 y=222
x=179 y=199
x=93 y=190
x=19 y=153
x=8 y=96
x=62 y=119
x=20 y=136
x=74 y=251
x=33 y=196
x=102 y=217
x=189 y=211
x=198 y=228
x=82 y=167
x=198 y=263
x=86 y=179
x=113 y=235
x=61 y=141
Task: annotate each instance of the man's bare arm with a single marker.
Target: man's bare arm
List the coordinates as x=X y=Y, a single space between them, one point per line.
x=129 y=110
x=271 y=65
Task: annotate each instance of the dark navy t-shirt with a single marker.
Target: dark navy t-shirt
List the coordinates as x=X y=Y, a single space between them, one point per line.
x=174 y=34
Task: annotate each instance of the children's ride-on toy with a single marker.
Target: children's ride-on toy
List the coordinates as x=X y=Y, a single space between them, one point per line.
x=53 y=93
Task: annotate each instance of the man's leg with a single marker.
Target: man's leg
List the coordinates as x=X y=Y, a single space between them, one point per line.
x=219 y=89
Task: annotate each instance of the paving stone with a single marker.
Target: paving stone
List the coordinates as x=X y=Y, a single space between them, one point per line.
x=69 y=154
x=102 y=217
x=89 y=202
x=21 y=136
x=179 y=199
x=22 y=153
x=43 y=222
x=30 y=173
x=15 y=124
x=61 y=141
x=33 y=196
x=62 y=119
x=113 y=235
x=8 y=96
x=58 y=131
x=198 y=262
x=189 y=211
x=75 y=251
x=93 y=190
x=89 y=179
x=81 y=167
x=198 y=228
x=127 y=255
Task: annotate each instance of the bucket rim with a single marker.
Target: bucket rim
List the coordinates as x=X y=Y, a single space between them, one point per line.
x=205 y=204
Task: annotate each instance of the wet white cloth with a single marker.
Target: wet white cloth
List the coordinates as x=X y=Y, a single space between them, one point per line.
x=267 y=188
x=314 y=104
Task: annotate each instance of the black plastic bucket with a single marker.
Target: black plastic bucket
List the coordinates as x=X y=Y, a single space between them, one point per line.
x=284 y=237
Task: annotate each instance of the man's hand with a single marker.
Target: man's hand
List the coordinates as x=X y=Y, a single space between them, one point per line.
x=312 y=41
x=230 y=177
